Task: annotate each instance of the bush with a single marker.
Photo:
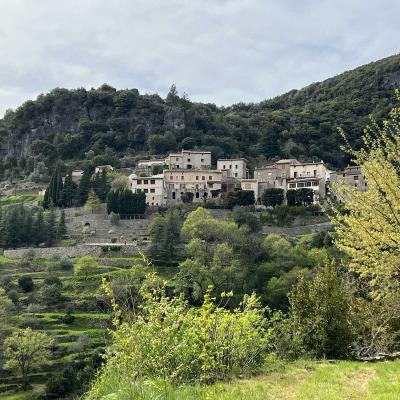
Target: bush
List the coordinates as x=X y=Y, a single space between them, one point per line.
x=273 y=197
x=25 y=283
x=170 y=341
x=66 y=264
x=86 y=266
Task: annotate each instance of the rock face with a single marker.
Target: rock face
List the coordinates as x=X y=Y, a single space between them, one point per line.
x=174 y=119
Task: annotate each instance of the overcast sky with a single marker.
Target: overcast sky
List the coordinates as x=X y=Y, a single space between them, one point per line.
x=220 y=51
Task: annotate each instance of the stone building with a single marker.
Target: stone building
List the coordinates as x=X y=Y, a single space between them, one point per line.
x=351 y=176
x=152 y=186
x=189 y=159
x=203 y=183
x=235 y=168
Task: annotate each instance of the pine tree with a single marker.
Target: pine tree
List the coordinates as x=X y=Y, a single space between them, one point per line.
x=103 y=187
x=61 y=228
x=84 y=186
x=40 y=229
x=68 y=194
x=93 y=202
x=51 y=224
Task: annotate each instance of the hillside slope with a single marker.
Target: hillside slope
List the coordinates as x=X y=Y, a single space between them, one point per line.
x=109 y=124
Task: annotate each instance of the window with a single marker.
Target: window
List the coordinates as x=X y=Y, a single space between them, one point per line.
x=300 y=185
x=152 y=190
x=315 y=172
x=295 y=174
x=197 y=195
x=356 y=177
x=146 y=190
x=171 y=177
x=223 y=167
x=314 y=183
x=177 y=167
x=236 y=174
x=146 y=181
x=203 y=178
x=176 y=159
x=153 y=197
x=152 y=181
x=230 y=167
x=173 y=195
x=236 y=167
x=210 y=178
x=188 y=160
x=308 y=184
x=138 y=190
x=197 y=178
x=210 y=185
x=292 y=185
x=202 y=160
x=139 y=181
x=182 y=177
x=355 y=184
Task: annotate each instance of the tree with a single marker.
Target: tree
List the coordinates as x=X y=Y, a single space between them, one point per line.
x=319 y=320
x=61 y=227
x=368 y=223
x=25 y=350
x=240 y=198
x=6 y=306
x=92 y=202
x=165 y=233
x=86 y=266
x=273 y=197
x=26 y=283
x=84 y=186
x=53 y=194
x=187 y=197
x=69 y=192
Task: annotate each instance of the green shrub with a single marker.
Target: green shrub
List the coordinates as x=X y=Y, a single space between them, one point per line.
x=25 y=283
x=169 y=341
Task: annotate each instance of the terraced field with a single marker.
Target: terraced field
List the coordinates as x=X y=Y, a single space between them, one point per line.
x=78 y=322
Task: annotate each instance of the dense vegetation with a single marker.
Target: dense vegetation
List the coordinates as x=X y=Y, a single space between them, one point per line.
x=109 y=126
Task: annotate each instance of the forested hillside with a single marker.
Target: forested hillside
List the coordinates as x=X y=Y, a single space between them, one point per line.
x=112 y=126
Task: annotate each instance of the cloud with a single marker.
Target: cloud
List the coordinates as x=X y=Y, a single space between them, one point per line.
x=222 y=51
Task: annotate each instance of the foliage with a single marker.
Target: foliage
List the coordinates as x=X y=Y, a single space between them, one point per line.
x=169 y=341
x=187 y=197
x=25 y=350
x=273 y=197
x=165 y=232
x=86 y=266
x=114 y=218
x=244 y=217
x=240 y=198
x=125 y=202
x=21 y=225
x=369 y=228
x=300 y=197
x=25 y=283
x=6 y=306
x=318 y=322
x=92 y=202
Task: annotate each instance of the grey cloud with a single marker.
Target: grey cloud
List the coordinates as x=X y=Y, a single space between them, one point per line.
x=222 y=51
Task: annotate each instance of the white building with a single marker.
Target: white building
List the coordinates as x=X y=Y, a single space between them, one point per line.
x=149 y=164
x=235 y=168
x=152 y=186
x=101 y=168
x=189 y=159
x=203 y=183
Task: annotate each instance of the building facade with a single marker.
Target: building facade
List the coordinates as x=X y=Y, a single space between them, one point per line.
x=203 y=183
x=189 y=159
x=235 y=168
x=152 y=186
x=351 y=176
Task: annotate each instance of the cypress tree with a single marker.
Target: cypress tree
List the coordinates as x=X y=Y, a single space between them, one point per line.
x=61 y=228
x=51 y=224
x=69 y=191
x=84 y=186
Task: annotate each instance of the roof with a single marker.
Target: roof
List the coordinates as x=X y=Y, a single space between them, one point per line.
x=158 y=176
x=288 y=161
x=232 y=159
x=196 y=151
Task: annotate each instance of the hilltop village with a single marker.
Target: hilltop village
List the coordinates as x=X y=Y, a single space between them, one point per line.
x=190 y=174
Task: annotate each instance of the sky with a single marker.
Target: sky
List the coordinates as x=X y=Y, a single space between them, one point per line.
x=218 y=51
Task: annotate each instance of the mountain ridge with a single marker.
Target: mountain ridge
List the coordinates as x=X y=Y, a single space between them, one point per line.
x=115 y=126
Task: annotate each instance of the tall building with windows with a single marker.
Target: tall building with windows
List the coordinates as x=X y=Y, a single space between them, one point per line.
x=152 y=186
x=189 y=159
x=203 y=183
x=234 y=168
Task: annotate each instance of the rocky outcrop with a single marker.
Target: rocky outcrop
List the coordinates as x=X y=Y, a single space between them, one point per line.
x=174 y=119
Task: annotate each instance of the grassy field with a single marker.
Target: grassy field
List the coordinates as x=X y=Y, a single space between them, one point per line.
x=297 y=381
x=19 y=198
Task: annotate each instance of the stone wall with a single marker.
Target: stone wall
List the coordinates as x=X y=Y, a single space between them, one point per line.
x=73 y=251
